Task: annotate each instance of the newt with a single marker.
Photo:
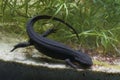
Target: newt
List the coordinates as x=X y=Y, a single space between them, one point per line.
x=54 y=49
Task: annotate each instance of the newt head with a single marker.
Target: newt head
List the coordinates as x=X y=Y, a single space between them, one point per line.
x=82 y=60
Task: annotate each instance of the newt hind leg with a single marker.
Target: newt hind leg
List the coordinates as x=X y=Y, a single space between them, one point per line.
x=21 y=45
x=29 y=43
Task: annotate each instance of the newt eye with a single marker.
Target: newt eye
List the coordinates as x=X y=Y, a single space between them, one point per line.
x=81 y=66
x=76 y=63
x=80 y=63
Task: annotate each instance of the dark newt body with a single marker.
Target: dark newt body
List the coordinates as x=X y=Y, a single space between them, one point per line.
x=55 y=49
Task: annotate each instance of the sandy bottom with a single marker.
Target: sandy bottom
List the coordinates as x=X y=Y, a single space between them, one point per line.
x=32 y=57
